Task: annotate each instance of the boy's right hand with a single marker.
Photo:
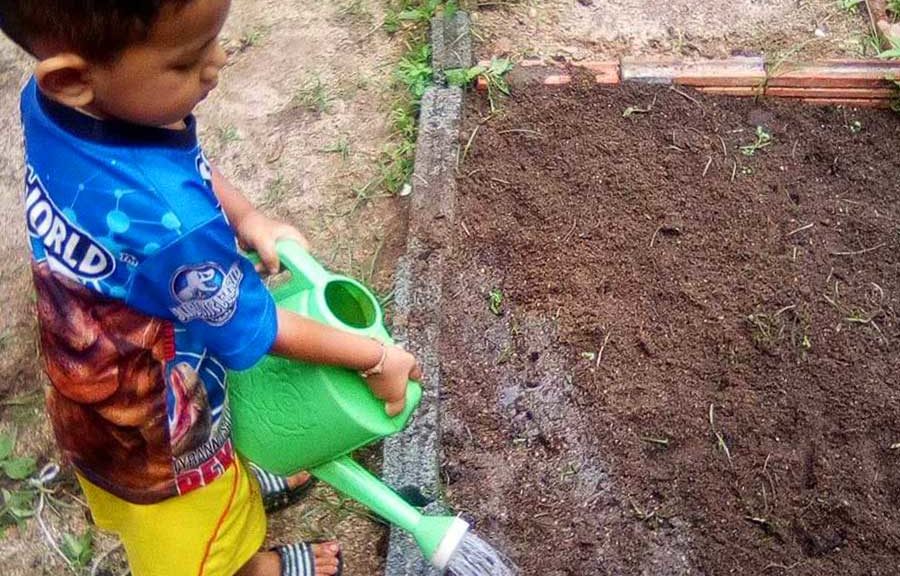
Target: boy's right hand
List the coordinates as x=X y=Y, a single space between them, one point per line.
x=399 y=368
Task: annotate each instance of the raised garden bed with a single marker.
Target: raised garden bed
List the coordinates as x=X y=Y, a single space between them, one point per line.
x=670 y=331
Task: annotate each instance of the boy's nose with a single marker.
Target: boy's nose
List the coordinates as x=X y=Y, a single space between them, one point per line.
x=216 y=62
x=219 y=57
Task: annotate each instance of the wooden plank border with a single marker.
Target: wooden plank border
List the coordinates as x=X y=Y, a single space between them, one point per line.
x=868 y=83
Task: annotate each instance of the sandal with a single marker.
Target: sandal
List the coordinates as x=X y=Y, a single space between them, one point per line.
x=299 y=560
x=276 y=494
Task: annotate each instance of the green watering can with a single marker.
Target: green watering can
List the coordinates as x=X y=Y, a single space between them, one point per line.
x=290 y=416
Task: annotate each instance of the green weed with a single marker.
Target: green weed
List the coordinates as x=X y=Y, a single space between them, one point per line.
x=495 y=302
x=764 y=139
x=893 y=6
x=414 y=13
x=341 y=147
x=396 y=164
x=494 y=74
x=252 y=37
x=79 y=550
x=892 y=53
x=19 y=499
x=404 y=123
x=869 y=44
x=228 y=134
x=415 y=72
x=314 y=96
x=14 y=468
x=851 y=6
x=786 y=326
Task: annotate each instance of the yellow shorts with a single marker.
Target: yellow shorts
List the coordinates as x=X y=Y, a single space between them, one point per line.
x=212 y=531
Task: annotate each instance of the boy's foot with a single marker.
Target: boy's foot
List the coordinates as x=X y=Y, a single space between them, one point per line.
x=279 y=492
x=305 y=559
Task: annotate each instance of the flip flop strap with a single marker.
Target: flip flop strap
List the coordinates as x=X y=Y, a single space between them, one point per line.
x=269 y=483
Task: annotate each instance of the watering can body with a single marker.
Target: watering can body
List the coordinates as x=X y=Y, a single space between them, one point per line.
x=290 y=416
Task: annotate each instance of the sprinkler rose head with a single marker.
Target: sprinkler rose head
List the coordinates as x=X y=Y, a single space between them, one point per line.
x=450 y=543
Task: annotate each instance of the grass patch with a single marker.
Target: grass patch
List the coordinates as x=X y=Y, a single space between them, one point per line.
x=314 y=96
x=787 y=326
x=340 y=147
x=252 y=37
x=850 y=6
x=893 y=6
x=228 y=134
x=412 y=76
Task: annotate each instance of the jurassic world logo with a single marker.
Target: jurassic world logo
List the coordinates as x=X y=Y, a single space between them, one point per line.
x=206 y=292
x=65 y=244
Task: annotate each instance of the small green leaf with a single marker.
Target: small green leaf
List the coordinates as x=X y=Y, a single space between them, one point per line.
x=6 y=446
x=496 y=302
x=78 y=549
x=19 y=468
x=464 y=76
x=450 y=9
x=501 y=66
x=19 y=503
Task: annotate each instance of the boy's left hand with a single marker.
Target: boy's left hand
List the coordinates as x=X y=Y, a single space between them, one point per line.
x=259 y=233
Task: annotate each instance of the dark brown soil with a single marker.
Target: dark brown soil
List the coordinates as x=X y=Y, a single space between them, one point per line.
x=694 y=368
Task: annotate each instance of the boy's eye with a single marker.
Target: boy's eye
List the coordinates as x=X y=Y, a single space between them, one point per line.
x=183 y=66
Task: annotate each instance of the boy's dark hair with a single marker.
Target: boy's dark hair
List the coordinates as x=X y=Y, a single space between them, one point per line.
x=95 y=29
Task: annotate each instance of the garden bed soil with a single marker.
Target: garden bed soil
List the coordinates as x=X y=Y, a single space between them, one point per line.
x=691 y=363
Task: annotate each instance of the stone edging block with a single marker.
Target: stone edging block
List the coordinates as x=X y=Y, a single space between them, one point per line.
x=412 y=458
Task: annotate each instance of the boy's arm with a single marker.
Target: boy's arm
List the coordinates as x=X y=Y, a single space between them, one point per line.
x=309 y=341
x=254 y=230
x=234 y=204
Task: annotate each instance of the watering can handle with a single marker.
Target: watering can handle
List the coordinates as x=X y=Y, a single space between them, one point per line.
x=305 y=271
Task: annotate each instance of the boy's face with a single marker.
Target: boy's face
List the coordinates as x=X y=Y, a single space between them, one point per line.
x=159 y=81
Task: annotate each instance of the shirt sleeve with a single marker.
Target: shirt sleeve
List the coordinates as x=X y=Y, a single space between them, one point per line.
x=203 y=282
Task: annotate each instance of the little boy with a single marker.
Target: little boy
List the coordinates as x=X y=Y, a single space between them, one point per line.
x=143 y=299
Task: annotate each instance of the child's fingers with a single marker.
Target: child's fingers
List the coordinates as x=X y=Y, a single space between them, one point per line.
x=416 y=373
x=292 y=233
x=269 y=257
x=395 y=407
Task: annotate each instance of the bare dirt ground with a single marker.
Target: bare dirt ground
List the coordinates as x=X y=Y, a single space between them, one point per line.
x=297 y=123
x=594 y=28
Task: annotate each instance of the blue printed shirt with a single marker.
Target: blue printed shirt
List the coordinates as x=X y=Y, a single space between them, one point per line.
x=144 y=300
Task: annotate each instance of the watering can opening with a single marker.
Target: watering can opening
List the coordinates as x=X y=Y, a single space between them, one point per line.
x=351 y=304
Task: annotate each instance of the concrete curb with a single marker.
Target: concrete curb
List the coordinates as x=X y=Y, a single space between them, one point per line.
x=451 y=44
x=412 y=459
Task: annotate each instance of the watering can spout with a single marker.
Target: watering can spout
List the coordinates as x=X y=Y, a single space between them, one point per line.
x=439 y=537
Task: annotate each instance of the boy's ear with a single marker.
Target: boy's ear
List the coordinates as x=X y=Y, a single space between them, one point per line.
x=65 y=78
